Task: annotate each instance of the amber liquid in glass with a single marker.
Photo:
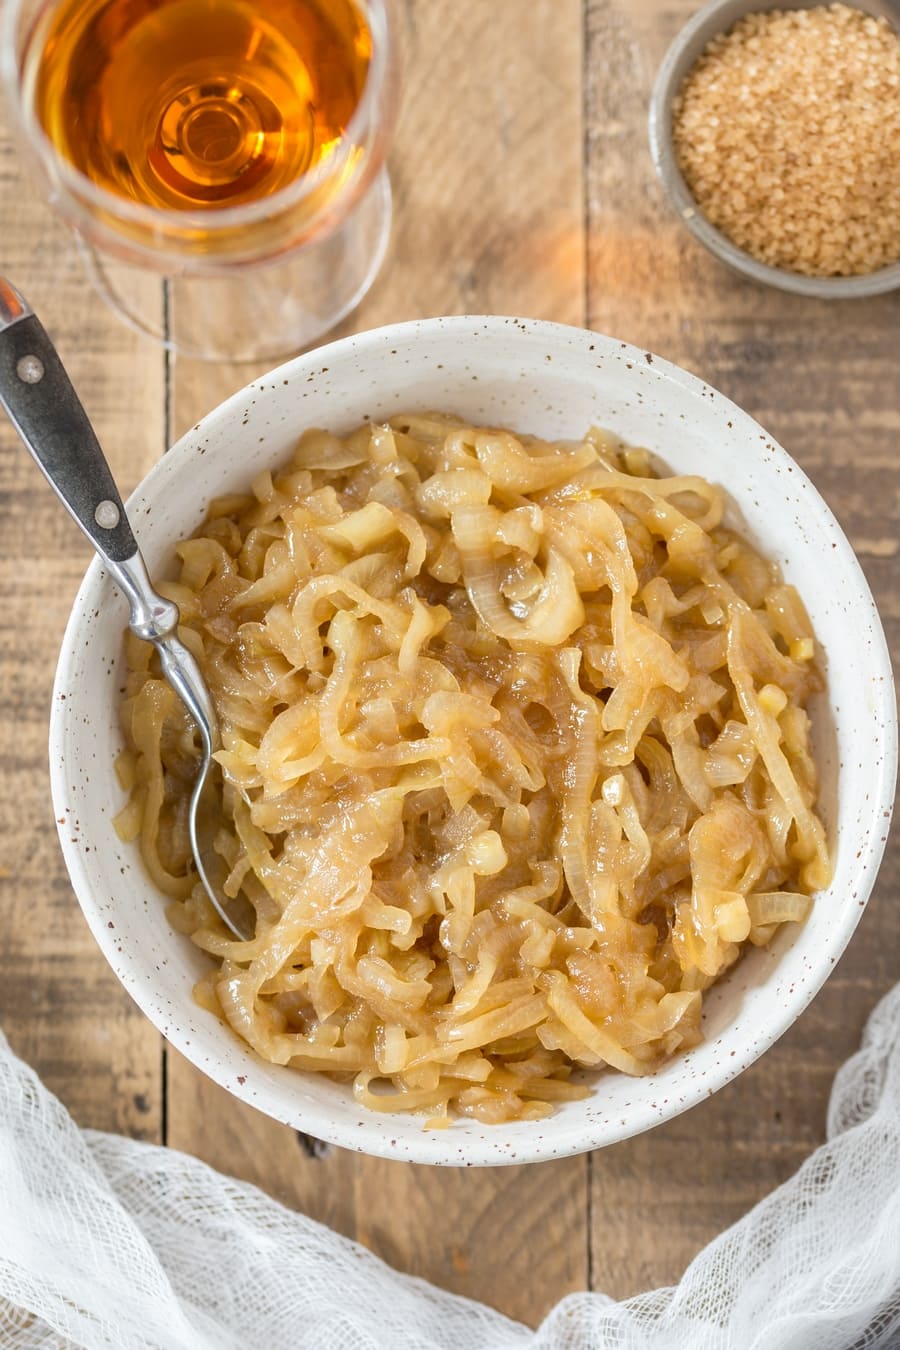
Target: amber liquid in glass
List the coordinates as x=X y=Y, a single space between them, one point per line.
x=197 y=104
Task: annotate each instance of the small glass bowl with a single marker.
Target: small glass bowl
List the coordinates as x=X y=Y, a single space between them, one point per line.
x=719 y=17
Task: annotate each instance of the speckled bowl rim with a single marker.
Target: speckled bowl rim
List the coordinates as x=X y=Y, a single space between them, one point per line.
x=715 y=18
x=714 y=1064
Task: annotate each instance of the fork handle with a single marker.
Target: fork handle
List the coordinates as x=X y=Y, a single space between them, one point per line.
x=47 y=413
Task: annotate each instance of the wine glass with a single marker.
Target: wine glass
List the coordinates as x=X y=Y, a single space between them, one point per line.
x=237 y=149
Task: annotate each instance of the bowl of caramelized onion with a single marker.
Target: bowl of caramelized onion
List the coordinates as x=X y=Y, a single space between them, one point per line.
x=558 y=743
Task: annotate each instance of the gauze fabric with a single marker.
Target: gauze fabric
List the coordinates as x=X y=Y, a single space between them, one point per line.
x=107 y=1242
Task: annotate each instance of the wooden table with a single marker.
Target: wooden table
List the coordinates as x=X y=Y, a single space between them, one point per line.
x=523 y=186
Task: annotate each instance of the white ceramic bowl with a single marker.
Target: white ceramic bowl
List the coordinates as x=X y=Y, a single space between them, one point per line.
x=553 y=381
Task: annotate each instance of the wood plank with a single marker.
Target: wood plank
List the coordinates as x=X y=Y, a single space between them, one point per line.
x=487 y=177
x=822 y=378
x=488 y=182
x=473 y=1231
x=60 y=1005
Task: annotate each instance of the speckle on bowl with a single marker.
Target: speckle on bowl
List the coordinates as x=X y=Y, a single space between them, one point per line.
x=591 y=379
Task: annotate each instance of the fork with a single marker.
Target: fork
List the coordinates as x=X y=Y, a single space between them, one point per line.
x=41 y=402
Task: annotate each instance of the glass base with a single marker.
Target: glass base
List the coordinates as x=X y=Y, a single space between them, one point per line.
x=259 y=313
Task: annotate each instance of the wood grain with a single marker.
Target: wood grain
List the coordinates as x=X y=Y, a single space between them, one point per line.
x=488 y=193
x=822 y=378
x=60 y=1005
x=522 y=185
x=487 y=176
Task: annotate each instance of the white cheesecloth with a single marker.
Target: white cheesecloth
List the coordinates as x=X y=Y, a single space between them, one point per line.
x=106 y=1242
